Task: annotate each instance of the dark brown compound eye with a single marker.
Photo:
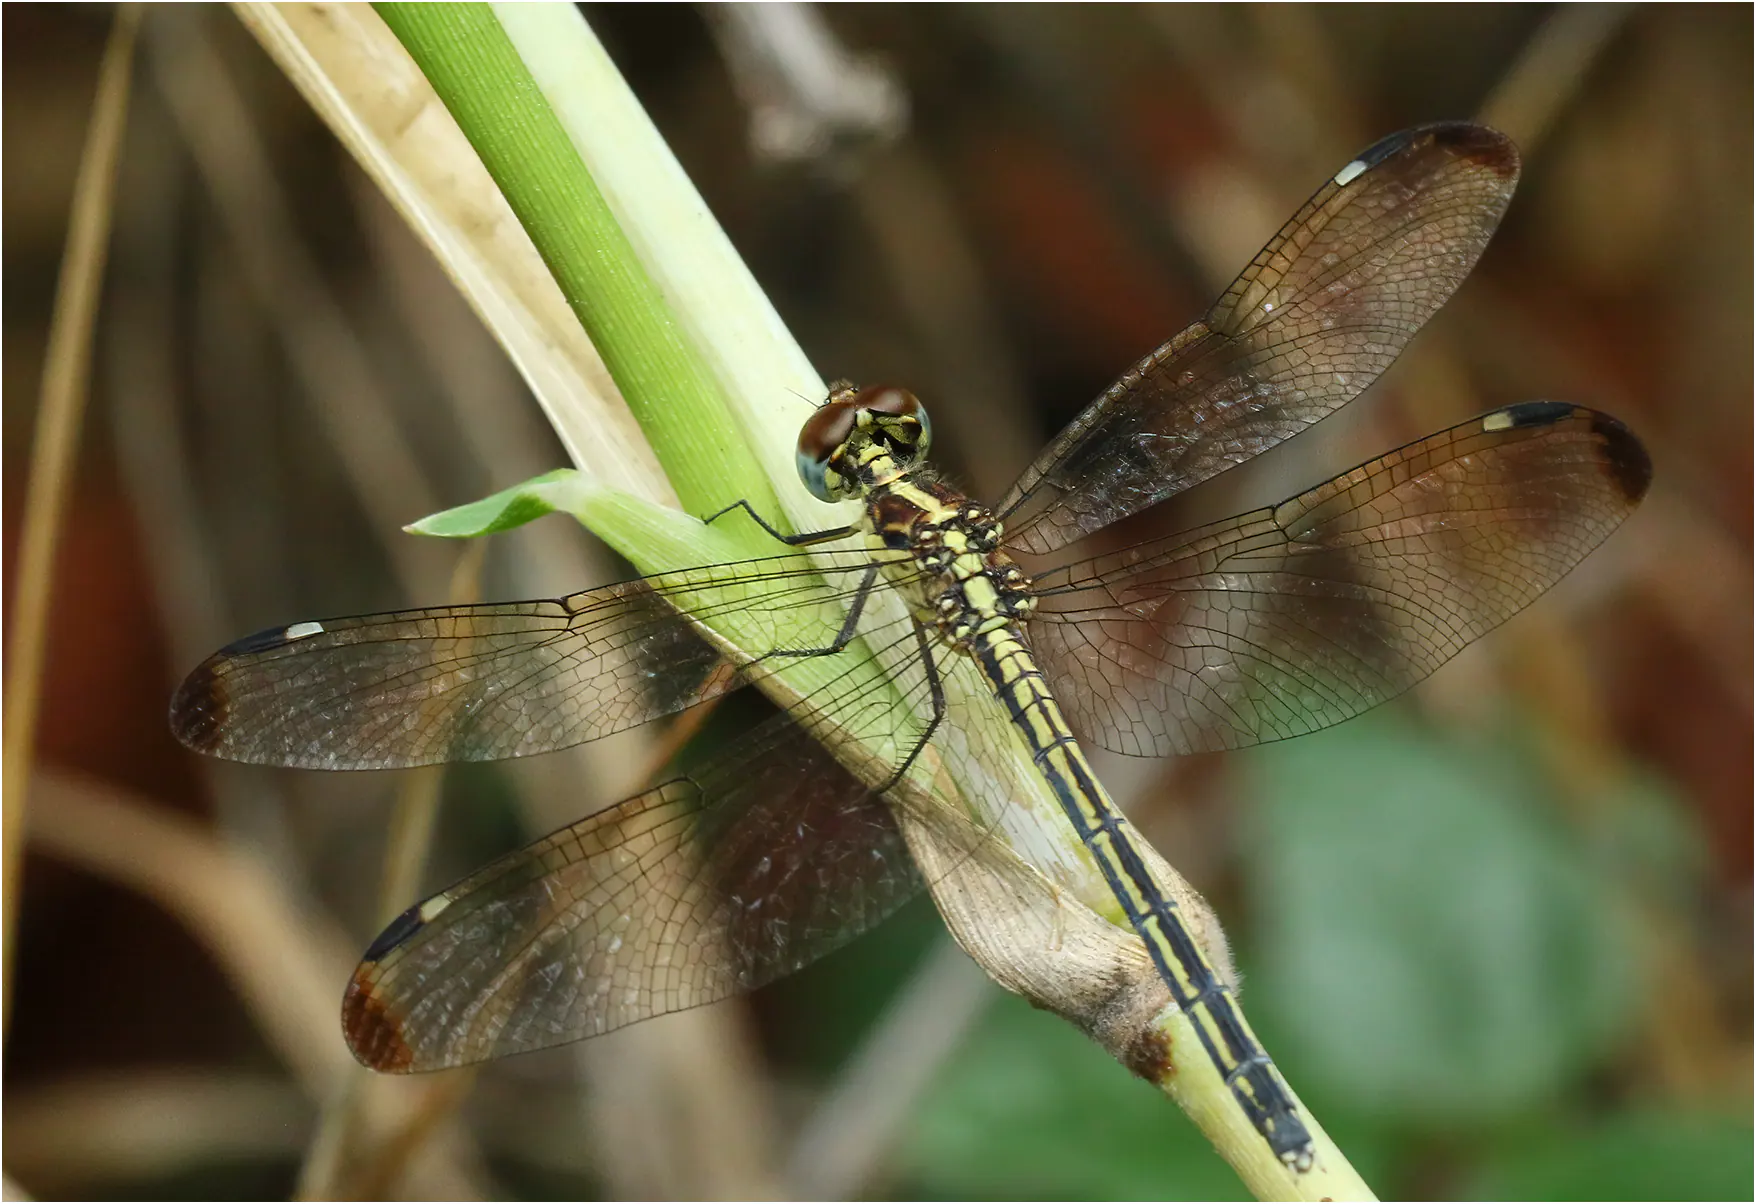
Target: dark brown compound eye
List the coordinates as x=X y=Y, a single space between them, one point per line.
x=823 y=433
x=828 y=428
x=888 y=399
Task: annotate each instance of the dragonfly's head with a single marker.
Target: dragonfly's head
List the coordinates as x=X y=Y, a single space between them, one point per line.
x=861 y=438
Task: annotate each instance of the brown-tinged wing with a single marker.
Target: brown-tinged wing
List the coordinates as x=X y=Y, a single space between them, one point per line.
x=1294 y=617
x=480 y=683
x=1325 y=308
x=696 y=890
x=750 y=865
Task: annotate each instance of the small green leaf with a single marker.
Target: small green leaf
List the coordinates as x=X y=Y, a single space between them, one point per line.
x=558 y=489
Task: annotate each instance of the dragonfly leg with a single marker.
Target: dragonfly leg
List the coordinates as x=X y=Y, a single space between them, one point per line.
x=936 y=691
x=803 y=539
x=849 y=625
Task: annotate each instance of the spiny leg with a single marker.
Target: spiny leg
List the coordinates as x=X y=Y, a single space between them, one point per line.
x=804 y=539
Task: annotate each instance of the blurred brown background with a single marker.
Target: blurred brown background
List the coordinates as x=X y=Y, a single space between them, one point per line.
x=1002 y=207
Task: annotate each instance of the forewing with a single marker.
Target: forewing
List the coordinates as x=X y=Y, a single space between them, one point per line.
x=1291 y=618
x=481 y=683
x=1325 y=308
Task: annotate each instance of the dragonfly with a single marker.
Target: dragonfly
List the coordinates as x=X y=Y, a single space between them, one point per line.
x=767 y=854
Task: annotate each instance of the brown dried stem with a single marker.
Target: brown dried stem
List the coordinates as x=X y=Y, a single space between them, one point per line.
x=65 y=373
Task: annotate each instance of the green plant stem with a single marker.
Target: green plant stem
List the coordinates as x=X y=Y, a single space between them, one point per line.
x=476 y=70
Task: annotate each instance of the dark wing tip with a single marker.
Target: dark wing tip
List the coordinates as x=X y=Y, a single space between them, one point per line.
x=372 y=1030
x=200 y=706
x=1486 y=147
x=1625 y=457
x=1465 y=140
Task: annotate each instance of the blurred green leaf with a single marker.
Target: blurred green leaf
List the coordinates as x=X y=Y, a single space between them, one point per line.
x=1652 y=844
x=1029 y=1110
x=1640 y=1156
x=1438 y=946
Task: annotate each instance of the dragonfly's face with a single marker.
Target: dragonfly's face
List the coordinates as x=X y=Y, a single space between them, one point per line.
x=861 y=438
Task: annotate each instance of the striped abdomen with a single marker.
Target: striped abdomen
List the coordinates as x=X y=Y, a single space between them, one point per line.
x=1193 y=982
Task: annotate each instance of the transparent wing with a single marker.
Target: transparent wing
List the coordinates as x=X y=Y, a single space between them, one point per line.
x=481 y=683
x=1325 y=308
x=693 y=891
x=1297 y=616
x=747 y=868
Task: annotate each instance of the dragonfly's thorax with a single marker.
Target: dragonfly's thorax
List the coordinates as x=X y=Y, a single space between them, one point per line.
x=951 y=567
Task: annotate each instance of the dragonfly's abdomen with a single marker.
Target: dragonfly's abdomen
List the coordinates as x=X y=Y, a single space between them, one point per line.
x=1195 y=985
x=944 y=555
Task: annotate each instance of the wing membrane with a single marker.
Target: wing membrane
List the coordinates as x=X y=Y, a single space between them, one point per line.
x=1325 y=308
x=698 y=889
x=1298 y=616
x=481 y=683
x=752 y=865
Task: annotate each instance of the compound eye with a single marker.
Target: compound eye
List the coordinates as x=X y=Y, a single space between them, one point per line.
x=888 y=399
x=820 y=438
x=900 y=403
